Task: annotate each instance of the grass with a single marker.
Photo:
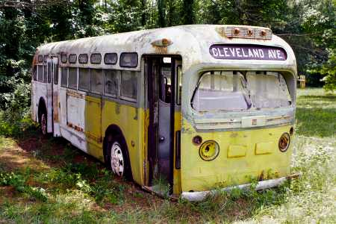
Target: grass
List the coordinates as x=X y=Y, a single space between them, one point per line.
x=49 y=181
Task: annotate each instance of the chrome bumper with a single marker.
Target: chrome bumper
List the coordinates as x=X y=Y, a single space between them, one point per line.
x=201 y=195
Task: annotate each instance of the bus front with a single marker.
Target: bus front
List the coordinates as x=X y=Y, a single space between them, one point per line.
x=239 y=113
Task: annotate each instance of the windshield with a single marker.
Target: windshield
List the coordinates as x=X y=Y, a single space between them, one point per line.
x=240 y=91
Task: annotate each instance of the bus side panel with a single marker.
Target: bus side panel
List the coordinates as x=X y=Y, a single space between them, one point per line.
x=93 y=126
x=177 y=171
x=130 y=120
x=244 y=155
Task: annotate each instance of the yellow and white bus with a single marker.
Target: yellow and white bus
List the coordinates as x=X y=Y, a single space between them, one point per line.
x=202 y=106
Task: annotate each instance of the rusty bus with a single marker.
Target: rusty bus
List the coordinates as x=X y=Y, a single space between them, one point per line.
x=202 y=106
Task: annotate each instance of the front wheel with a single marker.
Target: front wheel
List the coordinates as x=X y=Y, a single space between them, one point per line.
x=118 y=160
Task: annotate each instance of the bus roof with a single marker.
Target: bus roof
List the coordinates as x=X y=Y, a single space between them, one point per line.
x=191 y=42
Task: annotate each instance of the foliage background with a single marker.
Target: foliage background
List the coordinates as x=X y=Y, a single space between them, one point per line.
x=309 y=26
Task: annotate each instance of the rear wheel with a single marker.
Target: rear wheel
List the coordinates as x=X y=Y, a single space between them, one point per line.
x=118 y=159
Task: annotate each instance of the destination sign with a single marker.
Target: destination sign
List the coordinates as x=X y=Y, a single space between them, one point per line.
x=247 y=52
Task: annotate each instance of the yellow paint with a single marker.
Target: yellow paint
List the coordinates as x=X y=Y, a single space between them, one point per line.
x=236 y=151
x=243 y=154
x=263 y=148
x=243 y=163
x=177 y=172
x=131 y=121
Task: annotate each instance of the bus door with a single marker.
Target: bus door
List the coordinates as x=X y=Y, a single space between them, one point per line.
x=49 y=96
x=161 y=75
x=56 y=106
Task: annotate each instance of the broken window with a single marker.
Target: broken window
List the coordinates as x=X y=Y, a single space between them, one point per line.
x=268 y=90
x=221 y=90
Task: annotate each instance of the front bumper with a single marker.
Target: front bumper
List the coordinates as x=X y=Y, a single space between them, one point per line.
x=201 y=195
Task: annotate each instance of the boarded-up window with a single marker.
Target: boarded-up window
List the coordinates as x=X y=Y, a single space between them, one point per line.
x=64 y=74
x=84 y=79
x=40 y=73
x=96 y=80
x=72 y=80
x=129 y=85
x=112 y=82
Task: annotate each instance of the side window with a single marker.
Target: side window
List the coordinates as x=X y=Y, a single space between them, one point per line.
x=56 y=74
x=40 y=73
x=45 y=73
x=112 y=82
x=84 y=79
x=96 y=80
x=72 y=79
x=49 y=72
x=35 y=73
x=64 y=74
x=129 y=85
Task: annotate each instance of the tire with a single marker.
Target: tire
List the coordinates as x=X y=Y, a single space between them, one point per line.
x=43 y=123
x=117 y=157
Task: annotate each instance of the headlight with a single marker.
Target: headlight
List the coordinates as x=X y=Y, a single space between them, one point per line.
x=284 y=142
x=209 y=150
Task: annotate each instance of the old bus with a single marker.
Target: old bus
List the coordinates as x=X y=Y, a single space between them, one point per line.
x=200 y=106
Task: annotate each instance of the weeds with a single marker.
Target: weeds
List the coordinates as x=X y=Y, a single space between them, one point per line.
x=85 y=192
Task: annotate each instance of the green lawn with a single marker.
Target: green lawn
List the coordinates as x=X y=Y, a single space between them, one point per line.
x=49 y=181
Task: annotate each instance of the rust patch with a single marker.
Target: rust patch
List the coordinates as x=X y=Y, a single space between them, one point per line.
x=75 y=94
x=160 y=50
x=77 y=128
x=93 y=137
x=221 y=32
x=55 y=107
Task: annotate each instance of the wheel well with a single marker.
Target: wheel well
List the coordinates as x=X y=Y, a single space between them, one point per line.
x=114 y=131
x=42 y=107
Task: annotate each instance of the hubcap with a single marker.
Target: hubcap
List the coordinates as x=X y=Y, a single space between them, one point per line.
x=43 y=124
x=116 y=159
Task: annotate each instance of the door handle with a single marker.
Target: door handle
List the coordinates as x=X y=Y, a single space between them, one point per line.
x=162 y=138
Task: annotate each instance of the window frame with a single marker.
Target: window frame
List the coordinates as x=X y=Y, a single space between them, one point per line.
x=77 y=78
x=95 y=54
x=89 y=84
x=90 y=81
x=120 y=88
x=105 y=57
x=64 y=58
x=118 y=84
x=67 y=70
x=81 y=55
x=71 y=55
x=125 y=53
